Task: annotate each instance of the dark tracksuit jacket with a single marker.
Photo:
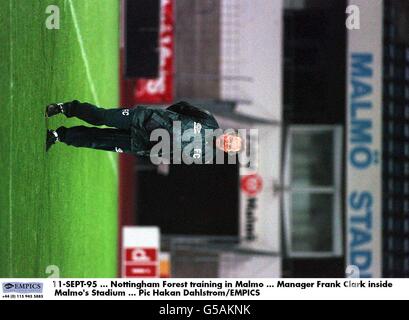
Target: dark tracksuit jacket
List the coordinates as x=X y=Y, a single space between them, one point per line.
x=133 y=128
x=147 y=119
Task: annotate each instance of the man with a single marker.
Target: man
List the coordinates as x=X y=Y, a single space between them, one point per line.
x=132 y=128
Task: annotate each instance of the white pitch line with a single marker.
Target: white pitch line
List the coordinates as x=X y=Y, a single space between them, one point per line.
x=10 y=149
x=88 y=72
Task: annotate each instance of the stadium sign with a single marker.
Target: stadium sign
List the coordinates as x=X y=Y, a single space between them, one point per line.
x=251 y=185
x=259 y=206
x=364 y=141
x=140 y=252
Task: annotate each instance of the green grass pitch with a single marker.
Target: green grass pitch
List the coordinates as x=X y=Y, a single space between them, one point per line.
x=57 y=208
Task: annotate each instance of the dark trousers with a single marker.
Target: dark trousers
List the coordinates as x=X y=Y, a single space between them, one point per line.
x=116 y=140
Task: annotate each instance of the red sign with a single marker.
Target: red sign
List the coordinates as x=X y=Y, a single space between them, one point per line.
x=141 y=271
x=141 y=255
x=161 y=90
x=141 y=262
x=251 y=184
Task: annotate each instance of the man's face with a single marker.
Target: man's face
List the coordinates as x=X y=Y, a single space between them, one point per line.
x=229 y=143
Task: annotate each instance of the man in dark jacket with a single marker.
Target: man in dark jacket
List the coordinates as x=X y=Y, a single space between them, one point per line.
x=190 y=127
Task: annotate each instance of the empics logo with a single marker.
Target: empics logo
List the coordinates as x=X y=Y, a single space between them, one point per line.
x=23 y=287
x=8 y=286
